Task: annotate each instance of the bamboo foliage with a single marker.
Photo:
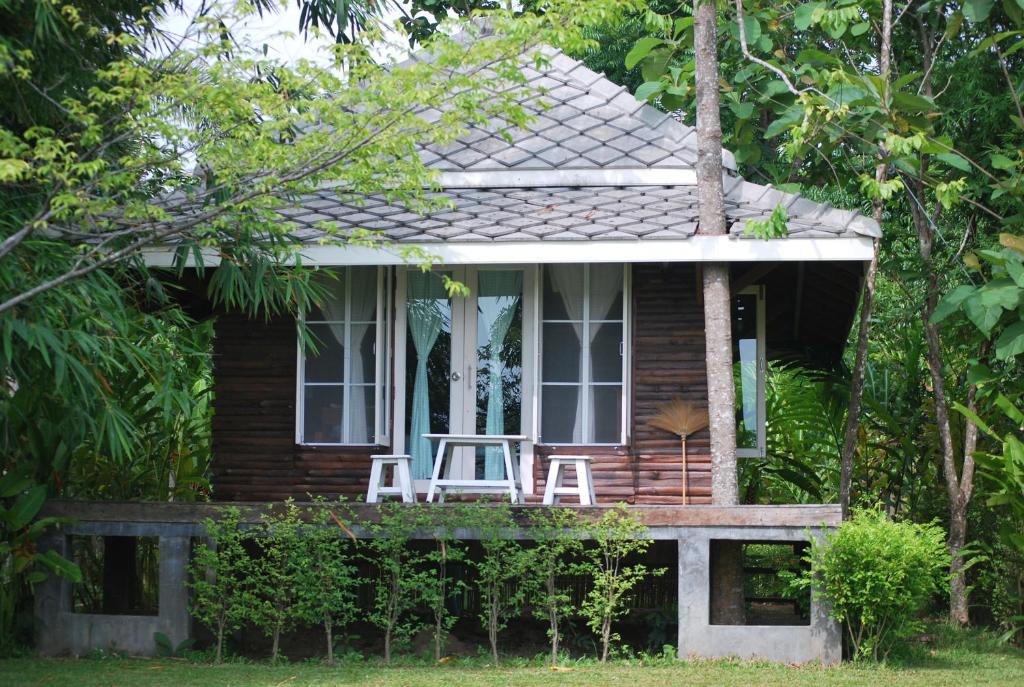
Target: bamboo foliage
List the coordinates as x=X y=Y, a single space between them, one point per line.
x=683 y=418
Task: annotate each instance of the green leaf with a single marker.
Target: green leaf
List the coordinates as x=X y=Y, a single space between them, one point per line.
x=13 y=483
x=803 y=17
x=950 y=303
x=641 y=49
x=911 y=102
x=860 y=29
x=791 y=117
x=1000 y=161
x=1002 y=293
x=742 y=110
x=955 y=160
x=1011 y=341
x=649 y=89
x=26 y=507
x=984 y=318
x=977 y=10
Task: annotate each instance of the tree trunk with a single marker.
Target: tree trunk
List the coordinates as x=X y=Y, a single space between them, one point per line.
x=220 y=642
x=959 y=485
x=868 y=299
x=330 y=641
x=727 y=602
x=492 y=624
x=606 y=638
x=387 y=645
x=857 y=385
x=553 y=618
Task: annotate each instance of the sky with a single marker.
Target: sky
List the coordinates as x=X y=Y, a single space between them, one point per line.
x=278 y=31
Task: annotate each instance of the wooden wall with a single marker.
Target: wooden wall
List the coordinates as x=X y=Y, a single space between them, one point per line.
x=256 y=458
x=255 y=455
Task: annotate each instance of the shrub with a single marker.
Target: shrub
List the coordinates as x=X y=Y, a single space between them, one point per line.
x=877 y=574
x=502 y=571
x=275 y=575
x=439 y=587
x=401 y=572
x=617 y=536
x=220 y=577
x=556 y=550
x=327 y=575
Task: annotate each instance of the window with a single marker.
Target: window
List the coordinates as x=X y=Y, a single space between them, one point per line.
x=748 y=354
x=341 y=381
x=583 y=354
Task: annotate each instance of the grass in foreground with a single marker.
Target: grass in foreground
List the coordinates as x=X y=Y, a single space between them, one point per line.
x=953 y=658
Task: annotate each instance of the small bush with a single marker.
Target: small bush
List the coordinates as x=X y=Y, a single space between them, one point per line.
x=877 y=574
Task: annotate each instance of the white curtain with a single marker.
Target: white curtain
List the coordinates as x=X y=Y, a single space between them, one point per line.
x=567 y=281
x=605 y=287
x=333 y=307
x=498 y=297
x=425 y=320
x=363 y=295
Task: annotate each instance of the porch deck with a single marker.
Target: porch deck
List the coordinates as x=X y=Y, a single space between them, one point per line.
x=135 y=518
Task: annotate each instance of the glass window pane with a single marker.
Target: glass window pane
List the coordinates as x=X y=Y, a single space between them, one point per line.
x=606 y=292
x=327 y=363
x=322 y=413
x=745 y=356
x=364 y=353
x=606 y=414
x=364 y=294
x=561 y=415
x=361 y=415
x=605 y=357
x=427 y=367
x=499 y=353
x=333 y=308
x=563 y=292
x=561 y=353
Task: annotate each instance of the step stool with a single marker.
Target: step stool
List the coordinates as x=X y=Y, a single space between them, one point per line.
x=584 y=488
x=401 y=484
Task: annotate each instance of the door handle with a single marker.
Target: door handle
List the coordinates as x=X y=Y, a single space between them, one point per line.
x=456 y=376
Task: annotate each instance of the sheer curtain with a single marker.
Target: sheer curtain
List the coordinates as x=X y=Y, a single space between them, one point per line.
x=605 y=287
x=568 y=283
x=425 y=321
x=362 y=364
x=498 y=298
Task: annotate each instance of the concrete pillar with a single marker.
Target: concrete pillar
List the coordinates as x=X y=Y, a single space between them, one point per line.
x=174 y=593
x=819 y=641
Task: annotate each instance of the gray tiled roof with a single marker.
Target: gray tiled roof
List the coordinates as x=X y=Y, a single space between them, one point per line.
x=581 y=120
x=573 y=171
x=571 y=213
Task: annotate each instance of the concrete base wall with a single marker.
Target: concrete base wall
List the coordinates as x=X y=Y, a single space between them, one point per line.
x=61 y=631
x=820 y=641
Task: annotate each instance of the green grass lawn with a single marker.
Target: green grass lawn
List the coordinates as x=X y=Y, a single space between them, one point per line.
x=953 y=658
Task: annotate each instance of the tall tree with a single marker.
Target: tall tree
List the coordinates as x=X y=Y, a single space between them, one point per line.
x=727 y=557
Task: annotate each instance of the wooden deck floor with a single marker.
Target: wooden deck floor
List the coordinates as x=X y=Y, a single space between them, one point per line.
x=660 y=516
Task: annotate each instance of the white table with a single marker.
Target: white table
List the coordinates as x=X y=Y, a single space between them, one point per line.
x=445 y=457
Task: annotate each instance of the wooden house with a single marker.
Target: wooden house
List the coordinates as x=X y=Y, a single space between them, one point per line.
x=579 y=243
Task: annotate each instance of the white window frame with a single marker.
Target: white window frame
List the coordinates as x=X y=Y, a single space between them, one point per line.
x=382 y=367
x=761 y=450
x=584 y=384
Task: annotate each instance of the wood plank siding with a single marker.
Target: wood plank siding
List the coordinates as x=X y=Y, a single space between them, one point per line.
x=256 y=457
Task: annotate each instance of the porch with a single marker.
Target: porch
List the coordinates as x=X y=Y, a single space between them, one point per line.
x=688 y=530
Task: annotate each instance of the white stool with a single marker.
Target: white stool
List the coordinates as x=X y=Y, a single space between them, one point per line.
x=584 y=480
x=401 y=484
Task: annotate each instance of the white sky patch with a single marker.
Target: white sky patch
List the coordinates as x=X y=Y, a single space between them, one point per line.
x=278 y=32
